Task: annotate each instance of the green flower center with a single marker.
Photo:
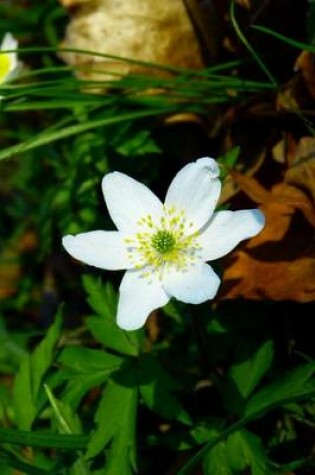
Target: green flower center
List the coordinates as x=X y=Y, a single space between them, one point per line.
x=163 y=241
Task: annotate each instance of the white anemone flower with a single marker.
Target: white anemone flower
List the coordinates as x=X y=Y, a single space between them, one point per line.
x=9 y=64
x=164 y=247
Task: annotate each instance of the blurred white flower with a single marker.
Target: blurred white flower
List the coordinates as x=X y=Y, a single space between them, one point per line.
x=164 y=247
x=9 y=64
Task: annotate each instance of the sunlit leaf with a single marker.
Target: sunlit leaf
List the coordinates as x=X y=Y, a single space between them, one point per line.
x=115 y=425
x=68 y=422
x=83 y=369
x=103 y=300
x=28 y=381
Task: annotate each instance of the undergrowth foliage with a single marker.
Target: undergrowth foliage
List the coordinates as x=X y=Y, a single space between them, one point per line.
x=217 y=388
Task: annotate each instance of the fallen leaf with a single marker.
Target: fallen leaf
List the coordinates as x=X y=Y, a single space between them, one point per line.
x=282 y=194
x=155 y=32
x=279 y=263
x=302 y=172
x=306 y=65
x=284 y=150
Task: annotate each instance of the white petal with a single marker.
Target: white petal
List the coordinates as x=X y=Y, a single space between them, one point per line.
x=8 y=42
x=103 y=249
x=196 y=190
x=139 y=296
x=196 y=285
x=128 y=201
x=226 y=229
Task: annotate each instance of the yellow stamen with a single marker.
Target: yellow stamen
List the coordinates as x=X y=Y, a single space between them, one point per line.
x=5 y=64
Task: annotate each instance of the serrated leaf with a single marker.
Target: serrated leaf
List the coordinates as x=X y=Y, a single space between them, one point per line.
x=115 y=419
x=216 y=462
x=28 y=381
x=244 y=451
x=248 y=372
x=103 y=300
x=68 y=423
x=84 y=360
x=113 y=337
x=101 y=297
x=293 y=386
x=237 y=453
x=157 y=387
x=140 y=143
x=84 y=369
x=121 y=457
x=207 y=430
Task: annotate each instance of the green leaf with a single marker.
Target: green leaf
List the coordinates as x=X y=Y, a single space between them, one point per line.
x=157 y=387
x=12 y=347
x=244 y=451
x=237 y=452
x=228 y=160
x=28 y=381
x=84 y=369
x=103 y=300
x=215 y=462
x=40 y=439
x=52 y=136
x=241 y=451
x=140 y=143
x=296 y=384
x=115 y=419
x=247 y=373
x=10 y=460
x=121 y=457
x=68 y=423
x=285 y=39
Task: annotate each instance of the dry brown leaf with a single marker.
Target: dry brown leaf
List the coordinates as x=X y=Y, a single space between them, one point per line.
x=184 y=118
x=284 y=193
x=284 y=151
x=156 y=32
x=306 y=65
x=302 y=172
x=279 y=263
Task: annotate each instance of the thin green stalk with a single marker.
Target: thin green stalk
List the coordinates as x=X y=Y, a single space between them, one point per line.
x=249 y=47
x=285 y=39
x=40 y=439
